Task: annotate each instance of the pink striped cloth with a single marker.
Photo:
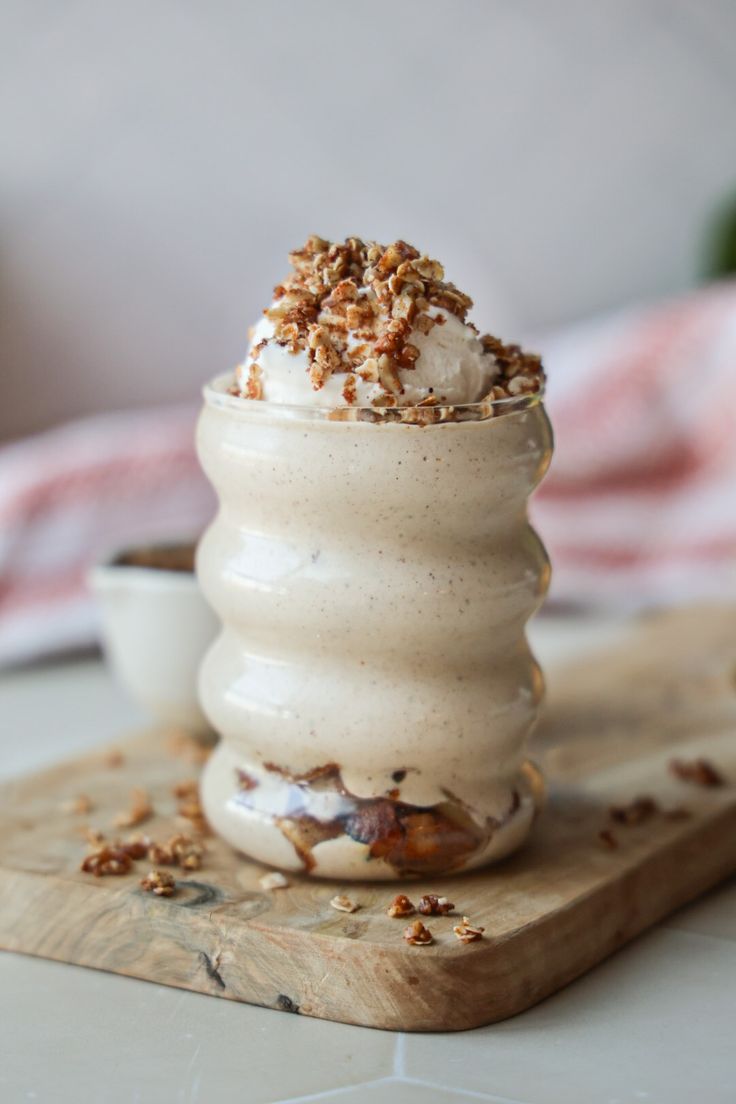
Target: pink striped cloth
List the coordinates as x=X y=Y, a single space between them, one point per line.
x=75 y=494
x=639 y=507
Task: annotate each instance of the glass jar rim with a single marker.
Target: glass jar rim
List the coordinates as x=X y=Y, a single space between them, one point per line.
x=216 y=393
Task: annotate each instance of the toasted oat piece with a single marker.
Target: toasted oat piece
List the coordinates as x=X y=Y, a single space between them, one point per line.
x=80 y=804
x=467 y=932
x=417 y=934
x=700 y=772
x=106 y=860
x=140 y=809
x=273 y=880
x=608 y=839
x=636 y=812
x=160 y=882
x=432 y=905
x=344 y=904
x=401 y=906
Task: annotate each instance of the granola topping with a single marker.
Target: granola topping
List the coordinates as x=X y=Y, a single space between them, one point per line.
x=382 y=323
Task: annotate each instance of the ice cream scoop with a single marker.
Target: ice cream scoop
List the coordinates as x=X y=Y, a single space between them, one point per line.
x=362 y=324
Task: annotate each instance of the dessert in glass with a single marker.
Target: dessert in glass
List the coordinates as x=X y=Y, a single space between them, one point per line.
x=373 y=568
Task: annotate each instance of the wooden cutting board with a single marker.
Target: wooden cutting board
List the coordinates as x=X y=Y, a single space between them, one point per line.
x=613 y=723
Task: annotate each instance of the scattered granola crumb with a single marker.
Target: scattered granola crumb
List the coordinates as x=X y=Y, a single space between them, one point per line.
x=187 y=789
x=186 y=851
x=140 y=810
x=160 y=882
x=136 y=846
x=417 y=934
x=700 y=772
x=432 y=905
x=273 y=880
x=344 y=904
x=180 y=744
x=679 y=812
x=106 y=860
x=79 y=805
x=608 y=839
x=636 y=812
x=401 y=906
x=467 y=932
x=189 y=807
x=93 y=836
x=114 y=759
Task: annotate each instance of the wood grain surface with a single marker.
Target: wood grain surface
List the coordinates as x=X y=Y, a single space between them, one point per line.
x=613 y=723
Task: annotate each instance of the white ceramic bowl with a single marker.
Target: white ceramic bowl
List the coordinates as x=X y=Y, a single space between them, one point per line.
x=156 y=628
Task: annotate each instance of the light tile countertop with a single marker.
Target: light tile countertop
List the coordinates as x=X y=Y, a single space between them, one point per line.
x=654 y=1024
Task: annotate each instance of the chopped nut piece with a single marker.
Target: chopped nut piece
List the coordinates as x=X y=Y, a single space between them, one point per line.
x=187 y=853
x=431 y=905
x=401 y=906
x=189 y=807
x=344 y=904
x=274 y=880
x=679 y=812
x=80 y=805
x=106 y=860
x=417 y=934
x=160 y=882
x=161 y=855
x=140 y=810
x=186 y=746
x=700 y=772
x=135 y=846
x=608 y=839
x=467 y=932
x=189 y=788
x=636 y=812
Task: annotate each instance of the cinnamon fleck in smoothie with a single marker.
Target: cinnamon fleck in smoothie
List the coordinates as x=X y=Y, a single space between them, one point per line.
x=374 y=569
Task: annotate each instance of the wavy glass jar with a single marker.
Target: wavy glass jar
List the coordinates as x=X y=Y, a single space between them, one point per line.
x=372 y=683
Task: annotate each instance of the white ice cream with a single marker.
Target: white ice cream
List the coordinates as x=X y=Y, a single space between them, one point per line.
x=451 y=366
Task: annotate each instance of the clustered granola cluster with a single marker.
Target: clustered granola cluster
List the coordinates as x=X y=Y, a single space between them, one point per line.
x=353 y=309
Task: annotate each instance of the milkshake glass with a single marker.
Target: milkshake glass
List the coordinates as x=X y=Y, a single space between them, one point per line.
x=372 y=683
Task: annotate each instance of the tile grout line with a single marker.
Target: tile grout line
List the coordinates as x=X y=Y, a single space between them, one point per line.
x=700 y=935
x=325 y=1094
x=400 y=1055
x=470 y=1094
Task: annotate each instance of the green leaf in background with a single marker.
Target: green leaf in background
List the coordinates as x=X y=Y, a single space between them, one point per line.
x=719 y=258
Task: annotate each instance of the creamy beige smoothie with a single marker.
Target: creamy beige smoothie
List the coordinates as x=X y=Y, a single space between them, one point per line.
x=373 y=568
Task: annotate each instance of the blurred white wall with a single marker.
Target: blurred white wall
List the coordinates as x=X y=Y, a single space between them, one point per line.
x=159 y=158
